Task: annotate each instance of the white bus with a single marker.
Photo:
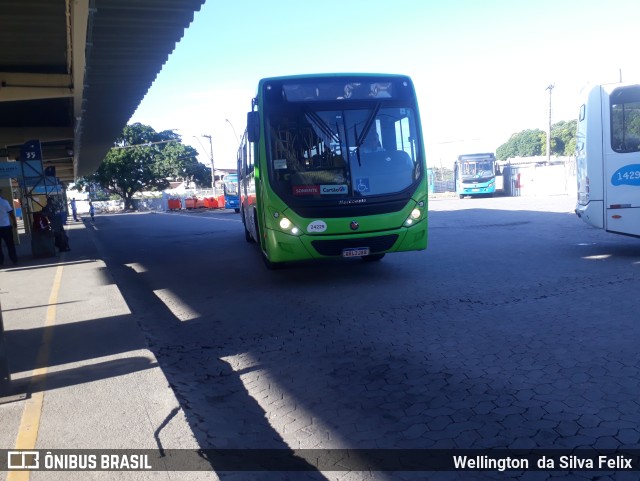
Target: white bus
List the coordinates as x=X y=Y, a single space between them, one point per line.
x=608 y=158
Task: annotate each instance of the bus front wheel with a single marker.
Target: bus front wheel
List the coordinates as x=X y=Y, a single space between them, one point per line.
x=270 y=265
x=247 y=234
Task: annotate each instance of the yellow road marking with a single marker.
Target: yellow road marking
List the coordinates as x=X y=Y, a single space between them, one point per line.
x=28 y=431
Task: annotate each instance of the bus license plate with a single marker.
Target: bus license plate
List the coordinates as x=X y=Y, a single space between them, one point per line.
x=355 y=252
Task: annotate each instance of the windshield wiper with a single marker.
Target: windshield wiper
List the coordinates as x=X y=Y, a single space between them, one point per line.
x=355 y=136
x=367 y=125
x=322 y=125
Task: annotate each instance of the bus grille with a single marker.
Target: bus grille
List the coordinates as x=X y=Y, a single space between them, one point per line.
x=334 y=247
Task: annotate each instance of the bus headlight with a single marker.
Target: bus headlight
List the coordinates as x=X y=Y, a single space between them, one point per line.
x=287 y=226
x=285 y=223
x=416 y=215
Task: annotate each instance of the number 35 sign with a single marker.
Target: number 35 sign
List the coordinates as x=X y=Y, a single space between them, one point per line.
x=31 y=158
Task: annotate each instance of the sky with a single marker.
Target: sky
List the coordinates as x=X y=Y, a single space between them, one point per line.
x=481 y=69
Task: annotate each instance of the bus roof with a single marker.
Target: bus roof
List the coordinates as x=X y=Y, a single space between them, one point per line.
x=336 y=86
x=488 y=155
x=332 y=75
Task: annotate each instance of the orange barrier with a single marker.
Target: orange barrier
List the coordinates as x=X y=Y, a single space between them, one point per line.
x=196 y=203
x=174 y=204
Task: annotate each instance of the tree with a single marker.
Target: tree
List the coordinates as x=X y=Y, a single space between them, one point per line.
x=563 y=137
x=132 y=166
x=180 y=163
x=144 y=160
x=527 y=143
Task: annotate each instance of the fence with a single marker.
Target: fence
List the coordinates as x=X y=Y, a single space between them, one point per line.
x=521 y=178
x=442 y=186
x=538 y=179
x=155 y=204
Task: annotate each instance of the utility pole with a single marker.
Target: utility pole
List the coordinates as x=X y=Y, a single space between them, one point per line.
x=550 y=89
x=213 y=169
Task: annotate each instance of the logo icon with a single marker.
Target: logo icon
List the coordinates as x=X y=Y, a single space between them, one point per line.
x=362 y=185
x=23 y=459
x=333 y=189
x=354 y=225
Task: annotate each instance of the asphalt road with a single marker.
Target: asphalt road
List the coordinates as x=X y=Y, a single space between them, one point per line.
x=516 y=328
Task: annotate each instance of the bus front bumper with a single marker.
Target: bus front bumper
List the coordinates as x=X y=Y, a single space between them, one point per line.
x=478 y=190
x=284 y=247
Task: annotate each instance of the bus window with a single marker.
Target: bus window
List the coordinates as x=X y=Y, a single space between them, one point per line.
x=625 y=120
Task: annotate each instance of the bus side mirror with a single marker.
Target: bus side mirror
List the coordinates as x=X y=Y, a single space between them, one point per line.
x=253 y=126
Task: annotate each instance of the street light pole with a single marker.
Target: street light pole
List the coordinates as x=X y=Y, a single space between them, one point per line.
x=234 y=131
x=549 y=88
x=213 y=169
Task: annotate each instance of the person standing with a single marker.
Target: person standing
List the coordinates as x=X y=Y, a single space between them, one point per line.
x=52 y=212
x=74 y=209
x=92 y=210
x=7 y=224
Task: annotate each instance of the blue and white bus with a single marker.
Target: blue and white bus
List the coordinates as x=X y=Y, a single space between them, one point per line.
x=231 y=199
x=608 y=158
x=475 y=175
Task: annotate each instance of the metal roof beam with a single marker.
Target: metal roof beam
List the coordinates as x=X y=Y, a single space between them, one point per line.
x=20 y=135
x=79 y=12
x=32 y=86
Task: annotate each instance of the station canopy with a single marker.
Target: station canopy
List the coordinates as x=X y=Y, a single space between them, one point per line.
x=73 y=72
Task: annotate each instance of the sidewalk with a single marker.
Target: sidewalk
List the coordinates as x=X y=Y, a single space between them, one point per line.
x=76 y=351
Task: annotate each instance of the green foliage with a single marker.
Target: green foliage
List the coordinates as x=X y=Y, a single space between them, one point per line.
x=179 y=162
x=529 y=143
x=563 y=137
x=145 y=160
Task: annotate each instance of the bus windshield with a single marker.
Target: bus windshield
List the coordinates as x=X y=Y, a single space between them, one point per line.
x=480 y=169
x=231 y=184
x=331 y=151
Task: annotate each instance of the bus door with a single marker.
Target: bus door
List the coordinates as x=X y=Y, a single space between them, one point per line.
x=622 y=159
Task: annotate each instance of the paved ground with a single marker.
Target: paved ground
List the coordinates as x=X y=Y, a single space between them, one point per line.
x=75 y=349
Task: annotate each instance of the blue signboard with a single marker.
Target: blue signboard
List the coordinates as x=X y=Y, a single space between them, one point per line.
x=10 y=170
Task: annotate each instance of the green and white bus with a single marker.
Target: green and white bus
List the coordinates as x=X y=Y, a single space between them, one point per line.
x=333 y=165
